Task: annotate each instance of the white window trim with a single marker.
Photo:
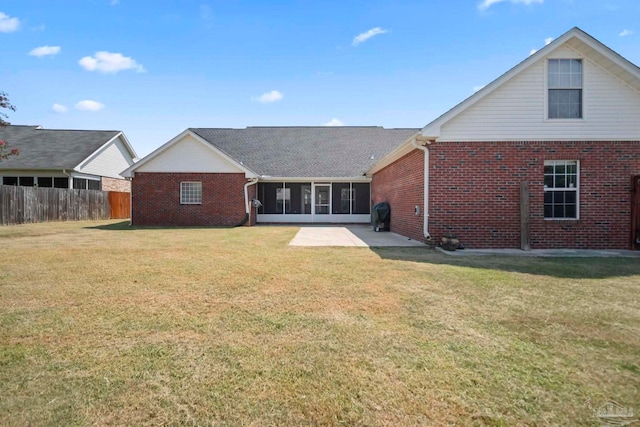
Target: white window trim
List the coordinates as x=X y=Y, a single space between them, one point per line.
x=577 y=189
x=182 y=193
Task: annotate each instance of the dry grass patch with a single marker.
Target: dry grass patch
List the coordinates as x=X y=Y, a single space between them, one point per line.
x=107 y=325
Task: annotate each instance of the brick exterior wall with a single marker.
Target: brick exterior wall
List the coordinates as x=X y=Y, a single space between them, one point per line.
x=401 y=184
x=475 y=193
x=112 y=184
x=156 y=199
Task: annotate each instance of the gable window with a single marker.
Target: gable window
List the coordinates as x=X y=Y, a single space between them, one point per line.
x=565 y=88
x=191 y=193
x=561 y=189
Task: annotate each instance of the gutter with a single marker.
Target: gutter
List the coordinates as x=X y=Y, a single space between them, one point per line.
x=425 y=210
x=247 y=206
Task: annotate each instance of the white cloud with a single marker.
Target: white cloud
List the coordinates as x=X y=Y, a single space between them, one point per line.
x=477 y=88
x=44 y=51
x=59 y=108
x=8 y=24
x=625 y=33
x=272 y=96
x=89 y=105
x=547 y=41
x=334 y=122
x=486 y=4
x=114 y=2
x=107 y=62
x=362 y=37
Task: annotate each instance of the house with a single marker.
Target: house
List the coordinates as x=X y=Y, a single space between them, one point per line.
x=565 y=122
x=298 y=174
x=545 y=156
x=80 y=159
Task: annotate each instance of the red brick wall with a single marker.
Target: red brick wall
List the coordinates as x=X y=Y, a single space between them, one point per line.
x=401 y=184
x=156 y=199
x=475 y=192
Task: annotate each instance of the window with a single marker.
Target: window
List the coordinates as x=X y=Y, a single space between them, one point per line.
x=191 y=193
x=79 y=183
x=561 y=189
x=565 y=88
x=283 y=198
x=93 y=184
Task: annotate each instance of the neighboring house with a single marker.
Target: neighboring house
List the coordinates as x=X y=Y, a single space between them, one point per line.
x=566 y=120
x=299 y=175
x=80 y=159
x=564 y=125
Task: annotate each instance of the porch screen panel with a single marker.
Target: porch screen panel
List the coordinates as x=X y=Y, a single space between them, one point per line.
x=300 y=198
x=267 y=194
x=341 y=198
x=45 y=182
x=61 y=182
x=361 y=198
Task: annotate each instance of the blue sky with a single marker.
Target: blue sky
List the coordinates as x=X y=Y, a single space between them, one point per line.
x=155 y=68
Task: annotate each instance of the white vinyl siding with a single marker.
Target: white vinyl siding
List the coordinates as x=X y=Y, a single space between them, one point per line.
x=189 y=155
x=517 y=110
x=108 y=161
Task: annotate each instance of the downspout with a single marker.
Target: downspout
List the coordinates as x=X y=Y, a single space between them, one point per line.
x=425 y=209
x=247 y=206
x=70 y=181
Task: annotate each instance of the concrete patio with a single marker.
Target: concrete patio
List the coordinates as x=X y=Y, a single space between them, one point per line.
x=350 y=235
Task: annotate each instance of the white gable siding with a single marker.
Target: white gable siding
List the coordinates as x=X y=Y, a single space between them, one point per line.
x=189 y=155
x=517 y=110
x=109 y=161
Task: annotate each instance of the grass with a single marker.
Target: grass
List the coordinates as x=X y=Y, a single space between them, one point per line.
x=105 y=325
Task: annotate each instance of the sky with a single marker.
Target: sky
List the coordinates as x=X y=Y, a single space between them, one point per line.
x=154 y=68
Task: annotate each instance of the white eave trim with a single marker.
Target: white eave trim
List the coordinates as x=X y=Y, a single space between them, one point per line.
x=130 y=170
x=93 y=155
x=402 y=150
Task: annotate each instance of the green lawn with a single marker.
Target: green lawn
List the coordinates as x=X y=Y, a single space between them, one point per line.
x=101 y=324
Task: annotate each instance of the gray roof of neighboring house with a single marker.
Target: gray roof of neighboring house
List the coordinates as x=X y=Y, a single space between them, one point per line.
x=344 y=151
x=51 y=148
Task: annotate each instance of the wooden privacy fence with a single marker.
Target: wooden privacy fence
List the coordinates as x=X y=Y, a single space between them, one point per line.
x=120 y=204
x=20 y=205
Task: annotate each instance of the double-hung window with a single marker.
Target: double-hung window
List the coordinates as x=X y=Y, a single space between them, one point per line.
x=561 y=189
x=191 y=193
x=565 y=88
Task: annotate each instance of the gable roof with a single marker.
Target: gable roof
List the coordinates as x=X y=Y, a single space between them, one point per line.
x=54 y=149
x=576 y=39
x=297 y=152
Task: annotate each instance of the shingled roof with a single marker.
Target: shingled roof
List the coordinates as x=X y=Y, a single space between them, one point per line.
x=345 y=151
x=51 y=149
